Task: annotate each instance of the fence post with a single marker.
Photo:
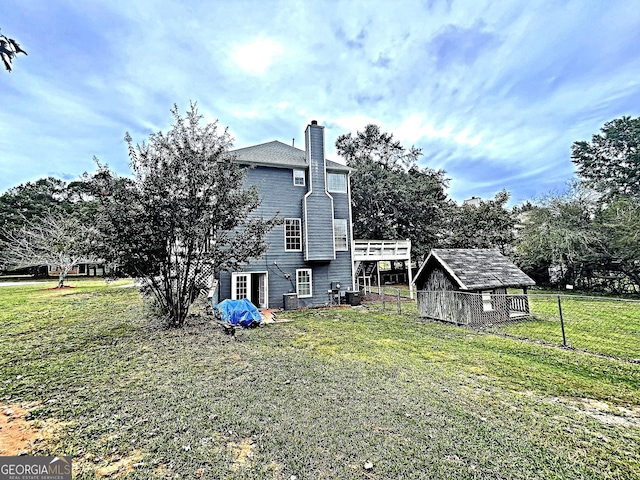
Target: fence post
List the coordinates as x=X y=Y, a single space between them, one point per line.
x=383 y=303
x=564 y=338
x=399 y=305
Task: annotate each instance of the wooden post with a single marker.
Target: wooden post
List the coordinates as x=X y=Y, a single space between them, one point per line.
x=409 y=271
x=399 y=304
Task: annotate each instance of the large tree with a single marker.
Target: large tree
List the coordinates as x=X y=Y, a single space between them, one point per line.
x=183 y=215
x=610 y=163
x=617 y=224
x=489 y=224
x=25 y=204
x=21 y=204
x=557 y=233
x=374 y=145
x=393 y=198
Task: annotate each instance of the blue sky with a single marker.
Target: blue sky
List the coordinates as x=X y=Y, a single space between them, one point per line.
x=493 y=92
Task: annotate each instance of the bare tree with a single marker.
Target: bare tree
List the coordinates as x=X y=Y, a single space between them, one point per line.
x=59 y=240
x=9 y=48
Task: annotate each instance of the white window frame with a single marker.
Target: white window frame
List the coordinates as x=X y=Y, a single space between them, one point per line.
x=331 y=185
x=288 y=236
x=340 y=239
x=299 y=175
x=487 y=302
x=299 y=272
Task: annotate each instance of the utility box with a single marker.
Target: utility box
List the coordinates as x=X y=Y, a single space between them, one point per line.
x=290 y=301
x=352 y=297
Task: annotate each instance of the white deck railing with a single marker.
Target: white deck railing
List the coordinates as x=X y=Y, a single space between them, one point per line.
x=381 y=250
x=375 y=250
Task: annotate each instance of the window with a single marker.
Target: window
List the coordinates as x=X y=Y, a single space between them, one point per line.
x=340 y=234
x=292 y=235
x=337 y=182
x=303 y=282
x=298 y=178
x=486 y=301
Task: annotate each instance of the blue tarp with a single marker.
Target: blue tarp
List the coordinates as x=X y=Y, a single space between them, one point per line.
x=239 y=312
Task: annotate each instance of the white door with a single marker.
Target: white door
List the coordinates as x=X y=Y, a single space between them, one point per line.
x=240 y=286
x=262 y=290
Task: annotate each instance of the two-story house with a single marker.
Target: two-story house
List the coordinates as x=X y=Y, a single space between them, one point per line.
x=310 y=253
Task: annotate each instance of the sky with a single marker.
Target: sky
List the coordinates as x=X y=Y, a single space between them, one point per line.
x=494 y=93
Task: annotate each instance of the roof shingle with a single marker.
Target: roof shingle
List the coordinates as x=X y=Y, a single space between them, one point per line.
x=278 y=154
x=478 y=268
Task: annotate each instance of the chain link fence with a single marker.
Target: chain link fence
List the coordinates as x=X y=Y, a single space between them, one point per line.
x=607 y=326
x=390 y=298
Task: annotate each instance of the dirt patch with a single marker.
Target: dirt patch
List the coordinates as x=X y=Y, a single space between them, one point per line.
x=611 y=415
x=602 y=411
x=242 y=452
x=17 y=434
x=120 y=465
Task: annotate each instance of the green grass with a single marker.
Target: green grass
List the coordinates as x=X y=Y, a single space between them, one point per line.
x=599 y=325
x=317 y=397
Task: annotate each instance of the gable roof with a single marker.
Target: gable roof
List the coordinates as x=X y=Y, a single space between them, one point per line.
x=278 y=154
x=272 y=153
x=477 y=268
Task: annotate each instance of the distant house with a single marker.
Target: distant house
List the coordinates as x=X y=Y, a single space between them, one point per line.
x=82 y=269
x=469 y=287
x=473 y=201
x=308 y=260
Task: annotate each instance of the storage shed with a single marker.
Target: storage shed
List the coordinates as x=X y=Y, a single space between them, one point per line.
x=469 y=287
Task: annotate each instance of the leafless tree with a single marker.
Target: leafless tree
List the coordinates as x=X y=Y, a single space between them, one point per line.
x=59 y=240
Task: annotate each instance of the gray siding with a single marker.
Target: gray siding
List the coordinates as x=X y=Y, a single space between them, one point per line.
x=318 y=204
x=280 y=196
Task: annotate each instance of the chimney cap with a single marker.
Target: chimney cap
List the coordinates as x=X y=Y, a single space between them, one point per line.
x=314 y=122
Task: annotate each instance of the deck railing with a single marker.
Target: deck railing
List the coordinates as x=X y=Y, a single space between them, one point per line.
x=381 y=249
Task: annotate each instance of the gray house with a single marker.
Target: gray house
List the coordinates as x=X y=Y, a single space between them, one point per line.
x=309 y=255
x=469 y=286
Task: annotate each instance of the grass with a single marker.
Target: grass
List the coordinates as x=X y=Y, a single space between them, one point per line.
x=316 y=398
x=600 y=325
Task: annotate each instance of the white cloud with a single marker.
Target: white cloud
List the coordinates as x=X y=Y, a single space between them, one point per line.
x=415 y=129
x=257 y=56
x=480 y=86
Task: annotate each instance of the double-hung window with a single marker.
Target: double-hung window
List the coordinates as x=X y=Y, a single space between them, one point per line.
x=337 y=182
x=340 y=234
x=292 y=235
x=303 y=282
x=298 y=178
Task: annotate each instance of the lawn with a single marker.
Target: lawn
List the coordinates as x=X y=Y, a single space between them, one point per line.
x=601 y=325
x=319 y=397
